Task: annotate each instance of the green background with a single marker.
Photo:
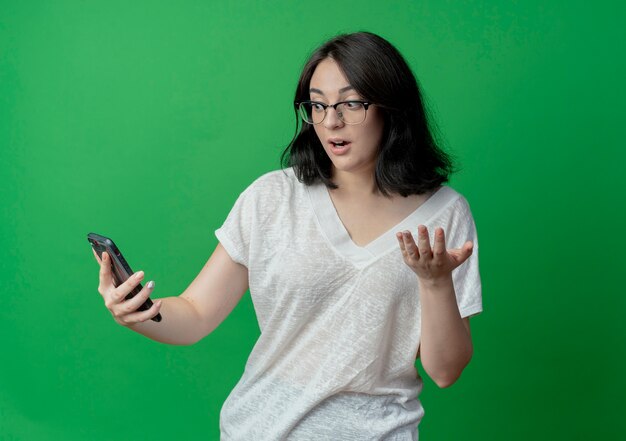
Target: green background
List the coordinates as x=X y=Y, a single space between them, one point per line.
x=145 y=120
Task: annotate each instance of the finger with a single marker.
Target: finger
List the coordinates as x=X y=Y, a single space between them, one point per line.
x=127 y=287
x=142 y=316
x=468 y=247
x=96 y=256
x=106 y=279
x=439 y=247
x=409 y=244
x=423 y=241
x=131 y=305
x=460 y=255
x=401 y=242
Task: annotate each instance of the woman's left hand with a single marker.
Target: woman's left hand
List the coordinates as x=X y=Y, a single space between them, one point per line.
x=431 y=264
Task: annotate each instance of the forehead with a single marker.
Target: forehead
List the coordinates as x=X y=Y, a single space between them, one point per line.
x=328 y=77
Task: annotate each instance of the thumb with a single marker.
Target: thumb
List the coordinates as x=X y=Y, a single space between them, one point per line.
x=460 y=255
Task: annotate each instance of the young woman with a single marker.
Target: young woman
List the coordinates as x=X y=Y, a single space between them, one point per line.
x=346 y=297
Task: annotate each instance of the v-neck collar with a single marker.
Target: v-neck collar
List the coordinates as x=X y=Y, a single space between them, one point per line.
x=336 y=233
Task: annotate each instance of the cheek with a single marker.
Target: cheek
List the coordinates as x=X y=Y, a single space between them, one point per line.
x=374 y=135
x=374 y=128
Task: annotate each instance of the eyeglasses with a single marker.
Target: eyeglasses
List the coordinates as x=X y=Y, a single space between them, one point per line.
x=350 y=112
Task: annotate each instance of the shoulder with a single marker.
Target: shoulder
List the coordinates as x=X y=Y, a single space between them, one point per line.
x=447 y=198
x=451 y=203
x=273 y=193
x=277 y=181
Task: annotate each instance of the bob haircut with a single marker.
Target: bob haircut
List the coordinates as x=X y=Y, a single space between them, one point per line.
x=409 y=160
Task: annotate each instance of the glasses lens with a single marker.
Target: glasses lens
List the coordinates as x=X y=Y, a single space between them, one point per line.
x=351 y=112
x=312 y=113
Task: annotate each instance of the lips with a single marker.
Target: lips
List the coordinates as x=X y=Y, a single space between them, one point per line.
x=338 y=142
x=339 y=147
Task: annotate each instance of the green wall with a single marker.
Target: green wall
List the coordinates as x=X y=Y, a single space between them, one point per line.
x=132 y=119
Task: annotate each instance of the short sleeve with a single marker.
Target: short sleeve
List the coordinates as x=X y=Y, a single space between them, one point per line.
x=235 y=232
x=466 y=277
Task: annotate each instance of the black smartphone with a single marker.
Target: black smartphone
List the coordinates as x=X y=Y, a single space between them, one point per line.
x=120 y=269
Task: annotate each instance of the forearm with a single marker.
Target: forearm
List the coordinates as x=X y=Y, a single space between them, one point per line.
x=446 y=345
x=180 y=325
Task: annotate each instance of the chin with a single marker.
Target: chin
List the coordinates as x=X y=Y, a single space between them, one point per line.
x=352 y=167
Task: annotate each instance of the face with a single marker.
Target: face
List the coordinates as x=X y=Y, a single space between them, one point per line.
x=360 y=141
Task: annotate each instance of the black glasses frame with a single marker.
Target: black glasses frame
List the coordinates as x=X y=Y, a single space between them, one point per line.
x=365 y=104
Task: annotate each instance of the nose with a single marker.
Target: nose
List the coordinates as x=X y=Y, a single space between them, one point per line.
x=332 y=119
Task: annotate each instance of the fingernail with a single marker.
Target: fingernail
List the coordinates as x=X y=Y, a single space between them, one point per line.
x=150 y=284
x=139 y=274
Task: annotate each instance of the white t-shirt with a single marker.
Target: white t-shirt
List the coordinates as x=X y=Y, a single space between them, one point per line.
x=340 y=324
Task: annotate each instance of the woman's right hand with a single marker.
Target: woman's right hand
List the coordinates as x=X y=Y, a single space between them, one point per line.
x=125 y=311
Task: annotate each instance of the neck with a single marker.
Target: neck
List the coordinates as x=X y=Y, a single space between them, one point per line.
x=359 y=184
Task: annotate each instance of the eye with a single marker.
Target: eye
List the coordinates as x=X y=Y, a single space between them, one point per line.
x=353 y=105
x=317 y=107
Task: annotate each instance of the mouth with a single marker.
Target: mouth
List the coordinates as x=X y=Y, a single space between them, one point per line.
x=339 y=146
x=338 y=143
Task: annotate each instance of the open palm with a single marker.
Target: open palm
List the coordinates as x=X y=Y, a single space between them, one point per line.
x=431 y=263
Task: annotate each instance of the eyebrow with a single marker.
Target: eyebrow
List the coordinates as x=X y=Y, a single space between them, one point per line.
x=342 y=90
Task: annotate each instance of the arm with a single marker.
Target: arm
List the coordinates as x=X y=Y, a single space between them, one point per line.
x=466 y=323
x=446 y=344
x=187 y=318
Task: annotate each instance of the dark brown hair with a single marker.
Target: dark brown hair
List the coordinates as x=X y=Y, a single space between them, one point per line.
x=409 y=160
